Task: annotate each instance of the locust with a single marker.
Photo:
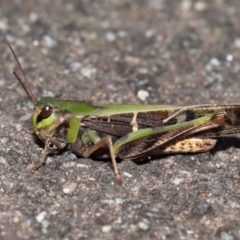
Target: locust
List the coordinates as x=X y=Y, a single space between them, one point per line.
x=126 y=132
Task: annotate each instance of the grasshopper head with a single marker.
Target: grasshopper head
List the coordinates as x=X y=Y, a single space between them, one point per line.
x=44 y=116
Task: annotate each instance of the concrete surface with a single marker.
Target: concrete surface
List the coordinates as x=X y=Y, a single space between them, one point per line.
x=157 y=51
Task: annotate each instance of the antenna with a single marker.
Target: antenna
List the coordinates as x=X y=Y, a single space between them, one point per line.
x=24 y=83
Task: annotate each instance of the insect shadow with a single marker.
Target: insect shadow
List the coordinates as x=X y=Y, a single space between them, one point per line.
x=226 y=142
x=223 y=144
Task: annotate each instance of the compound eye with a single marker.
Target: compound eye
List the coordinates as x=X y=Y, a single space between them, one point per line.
x=46 y=111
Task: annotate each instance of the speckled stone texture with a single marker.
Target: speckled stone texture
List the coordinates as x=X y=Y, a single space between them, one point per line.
x=156 y=51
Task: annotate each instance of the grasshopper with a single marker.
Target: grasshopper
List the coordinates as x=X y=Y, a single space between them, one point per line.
x=127 y=131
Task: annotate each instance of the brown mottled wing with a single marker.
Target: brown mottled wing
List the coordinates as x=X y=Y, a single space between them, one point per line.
x=147 y=145
x=120 y=124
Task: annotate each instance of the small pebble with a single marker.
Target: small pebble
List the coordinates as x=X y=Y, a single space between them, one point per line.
x=106 y=228
x=40 y=217
x=69 y=187
x=110 y=36
x=143 y=95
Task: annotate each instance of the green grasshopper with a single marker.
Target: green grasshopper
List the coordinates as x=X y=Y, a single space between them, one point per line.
x=127 y=131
